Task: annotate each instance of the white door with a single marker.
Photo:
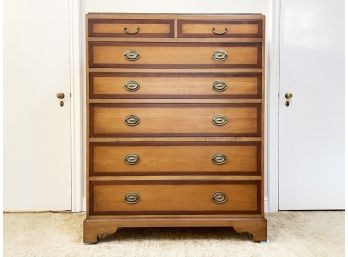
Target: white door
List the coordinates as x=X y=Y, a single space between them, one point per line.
x=37 y=166
x=311 y=128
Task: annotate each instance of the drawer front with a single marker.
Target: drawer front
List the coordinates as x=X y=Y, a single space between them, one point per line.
x=175 y=158
x=220 y=28
x=136 y=28
x=175 y=197
x=177 y=85
x=175 y=55
x=175 y=120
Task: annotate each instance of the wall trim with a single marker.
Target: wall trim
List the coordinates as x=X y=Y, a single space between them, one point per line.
x=273 y=109
x=76 y=105
x=265 y=204
x=84 y=204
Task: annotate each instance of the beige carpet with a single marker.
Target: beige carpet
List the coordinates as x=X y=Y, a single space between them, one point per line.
x=289 y=233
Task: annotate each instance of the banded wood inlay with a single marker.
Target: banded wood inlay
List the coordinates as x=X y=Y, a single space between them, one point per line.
x=175 y=122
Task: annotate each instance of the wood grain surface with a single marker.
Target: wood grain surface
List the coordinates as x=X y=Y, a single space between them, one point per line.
x=177 y=85
x=175 y=119
x=174 y=55
x=168 y=158
x=171 y=197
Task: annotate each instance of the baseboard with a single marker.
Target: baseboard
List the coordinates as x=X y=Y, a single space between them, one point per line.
x=84 y=204
x=265 y=204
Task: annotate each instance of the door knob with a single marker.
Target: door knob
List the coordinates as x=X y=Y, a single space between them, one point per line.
x=60 y=95
x=288 y=95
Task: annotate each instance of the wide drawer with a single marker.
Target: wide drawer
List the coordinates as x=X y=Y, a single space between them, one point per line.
x=175 y=197
x=175 y=158
x=132 y=28
x=130 y=120
x=175 y=85
x=175 y=55
x=220 y=28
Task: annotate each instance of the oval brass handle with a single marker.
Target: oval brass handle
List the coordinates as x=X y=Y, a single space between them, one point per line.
x=132 y=120
x=131 y=33
x=220 y=55
x=131 y=198
x=132 y=159
x=219 y=159
x=220 y=33
x=219 y=197
x=131 y=86
x=219 y=86
x=219 y=120
x=131 y=55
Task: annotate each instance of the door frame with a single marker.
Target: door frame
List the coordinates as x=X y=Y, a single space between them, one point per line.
x=273 y=109
x=76 y=106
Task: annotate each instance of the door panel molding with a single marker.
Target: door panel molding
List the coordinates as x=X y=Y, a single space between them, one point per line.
x=75 y=35
x=273 y=107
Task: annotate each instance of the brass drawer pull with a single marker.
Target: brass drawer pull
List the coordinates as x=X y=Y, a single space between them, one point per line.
x=131 y=33
x=131 y=86
x=132 y=120
x=220 y=33
x=219 y=159
x=219 y=197
x=131 y=198
x=131 y=55
x=132 y=159
x=220 y=56
x=219 y=86
x=219 y=120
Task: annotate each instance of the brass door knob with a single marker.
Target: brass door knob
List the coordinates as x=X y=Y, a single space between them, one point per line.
x=60 y=95
x=288 y=95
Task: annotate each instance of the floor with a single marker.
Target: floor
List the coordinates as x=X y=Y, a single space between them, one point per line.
x=310 y=233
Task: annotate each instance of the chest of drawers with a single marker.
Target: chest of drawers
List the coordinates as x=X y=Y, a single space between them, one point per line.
x=174 y=122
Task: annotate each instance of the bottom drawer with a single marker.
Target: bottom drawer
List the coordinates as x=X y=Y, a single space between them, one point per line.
x=175 y=197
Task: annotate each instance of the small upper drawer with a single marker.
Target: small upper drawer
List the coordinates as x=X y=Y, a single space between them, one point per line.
x=130 y=28
x=220 y=28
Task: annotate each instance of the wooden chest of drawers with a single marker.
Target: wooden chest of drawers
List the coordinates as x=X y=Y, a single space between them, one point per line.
x=175 y=122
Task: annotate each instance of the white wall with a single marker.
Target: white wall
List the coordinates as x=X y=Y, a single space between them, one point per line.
x=180 y=6
x=190 y=6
